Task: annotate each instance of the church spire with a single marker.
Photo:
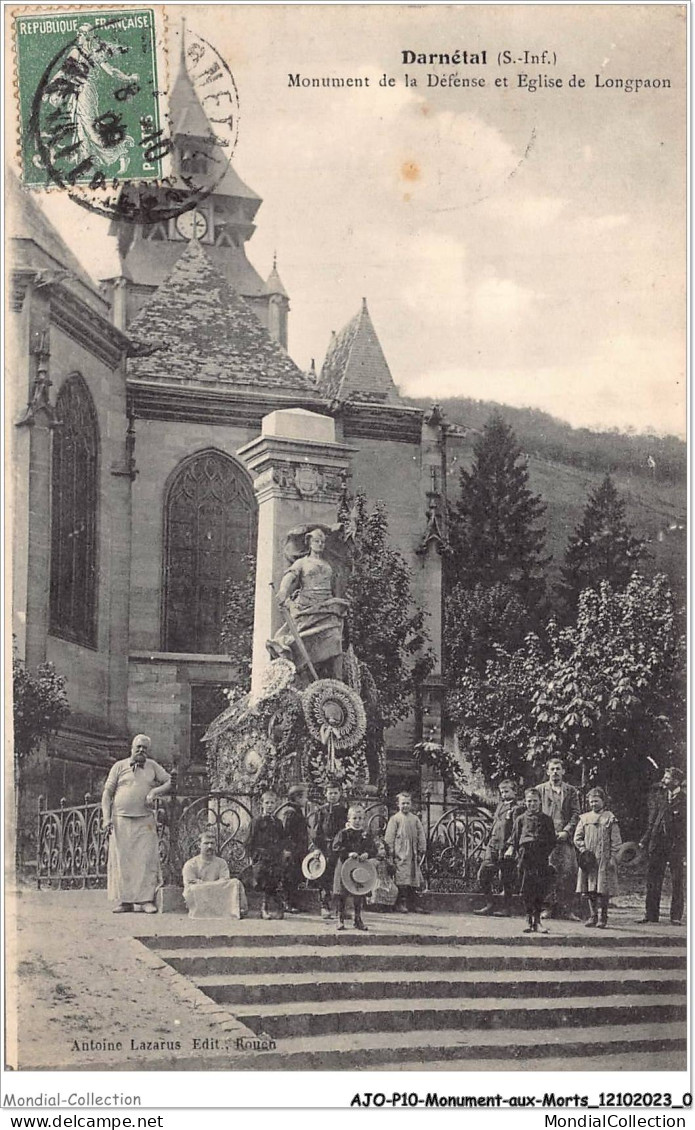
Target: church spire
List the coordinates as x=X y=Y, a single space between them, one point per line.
x=355 y=366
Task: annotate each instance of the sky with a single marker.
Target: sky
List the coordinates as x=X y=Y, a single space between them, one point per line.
x=524 y=247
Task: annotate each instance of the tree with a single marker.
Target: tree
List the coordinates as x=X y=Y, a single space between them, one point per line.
x=494 y=533
x=479 y=621
x=614 y=692
x=386 y=628
x=606 y=693
x=602 y=547
x=40 y=705
x=492 y=711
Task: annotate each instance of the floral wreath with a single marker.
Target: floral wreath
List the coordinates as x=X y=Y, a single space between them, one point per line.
x=250 y=754
x=277 y=677
x=334 y=714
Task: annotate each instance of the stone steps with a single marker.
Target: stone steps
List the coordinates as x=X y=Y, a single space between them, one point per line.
x=266 y=989
x=316 y=1018
x=259 y=938
x=407 y=1000
x=480 y=1049
x=224 y=960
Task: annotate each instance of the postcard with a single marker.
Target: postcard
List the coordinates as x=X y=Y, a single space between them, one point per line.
x=346 y=515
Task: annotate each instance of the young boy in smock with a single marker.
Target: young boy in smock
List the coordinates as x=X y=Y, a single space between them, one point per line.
x=406 y=842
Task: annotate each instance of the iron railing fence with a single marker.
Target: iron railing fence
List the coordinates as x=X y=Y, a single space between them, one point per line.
x=73 y=848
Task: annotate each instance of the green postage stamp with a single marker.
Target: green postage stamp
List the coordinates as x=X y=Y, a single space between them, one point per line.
x=89 y=97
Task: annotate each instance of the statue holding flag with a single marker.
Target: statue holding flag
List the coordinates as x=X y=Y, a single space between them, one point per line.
x=313 y=634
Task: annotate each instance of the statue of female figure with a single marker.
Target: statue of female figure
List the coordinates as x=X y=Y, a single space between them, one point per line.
x=307 y=591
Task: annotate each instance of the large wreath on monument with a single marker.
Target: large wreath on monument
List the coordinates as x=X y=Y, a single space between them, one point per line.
x=334 y=714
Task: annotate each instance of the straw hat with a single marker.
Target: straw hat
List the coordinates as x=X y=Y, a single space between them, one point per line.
x=313 y=865
x=359 y=876
x=628 y=852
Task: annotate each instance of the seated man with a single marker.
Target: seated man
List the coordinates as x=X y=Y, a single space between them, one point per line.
x=207 y=888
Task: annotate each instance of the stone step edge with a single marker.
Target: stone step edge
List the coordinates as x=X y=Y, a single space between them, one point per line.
x=348 y=939
x=671 y=1030
x=189 y=993
x=424 y=977
x=289 y=1009
x=483 y=949
x=382 y=1058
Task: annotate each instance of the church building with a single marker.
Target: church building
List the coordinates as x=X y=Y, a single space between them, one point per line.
x=131 y=504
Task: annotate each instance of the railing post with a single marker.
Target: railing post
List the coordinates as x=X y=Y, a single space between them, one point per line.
x=428 y=803
x=39 y=804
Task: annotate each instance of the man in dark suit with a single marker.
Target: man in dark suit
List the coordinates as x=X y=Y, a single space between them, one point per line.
x=560 y=802
x=665 y=842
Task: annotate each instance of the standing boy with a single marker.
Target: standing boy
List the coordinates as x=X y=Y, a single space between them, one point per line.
x=296 y=835
x=351 y=843
x=406 y=842
x=329 y=819
x=495 y=863
x=265 y=848
x=533 y=839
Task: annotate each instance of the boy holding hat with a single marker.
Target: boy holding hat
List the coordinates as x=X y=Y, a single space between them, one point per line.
x=351 y=843
x=597 y=839
x=328 y=820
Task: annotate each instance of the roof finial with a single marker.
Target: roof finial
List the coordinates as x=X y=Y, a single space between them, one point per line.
x=275 y=260
x=364 y=304
x=183 y=43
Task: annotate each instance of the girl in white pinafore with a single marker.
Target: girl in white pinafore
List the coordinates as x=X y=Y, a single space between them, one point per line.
x=598 y=832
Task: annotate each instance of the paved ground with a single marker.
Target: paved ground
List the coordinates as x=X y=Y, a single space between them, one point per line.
x=82 y=983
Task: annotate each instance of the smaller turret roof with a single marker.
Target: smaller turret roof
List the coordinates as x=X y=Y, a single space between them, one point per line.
x=274 y=283
x=355 y=367
x=196 y=328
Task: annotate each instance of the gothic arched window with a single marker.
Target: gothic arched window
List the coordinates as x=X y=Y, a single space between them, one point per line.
x=74 y=484
x=210 y=525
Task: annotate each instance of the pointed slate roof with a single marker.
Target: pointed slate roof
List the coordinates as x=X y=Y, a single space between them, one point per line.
x=187 y=115
x=355 y=367
x=196 y=328
x=274 y=283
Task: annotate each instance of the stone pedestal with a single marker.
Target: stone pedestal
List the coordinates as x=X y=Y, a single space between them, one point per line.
x=298 y=471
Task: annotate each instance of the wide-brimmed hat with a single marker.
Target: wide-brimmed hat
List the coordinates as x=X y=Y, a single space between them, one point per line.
x=628 y=852
x=588 y=861
x=359 y=876
x=313 y=865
